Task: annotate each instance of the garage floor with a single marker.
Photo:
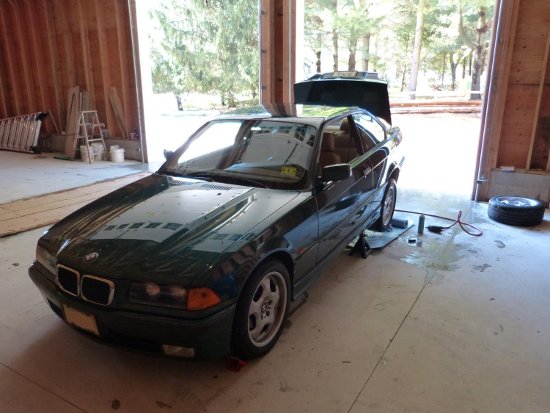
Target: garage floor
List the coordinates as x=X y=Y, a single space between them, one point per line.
x=25 y=175
x=456 y=324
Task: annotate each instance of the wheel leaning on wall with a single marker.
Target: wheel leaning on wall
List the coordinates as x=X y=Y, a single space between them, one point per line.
x=515 y=210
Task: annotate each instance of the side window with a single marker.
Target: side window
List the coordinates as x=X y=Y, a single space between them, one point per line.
x=339 y=139
x=369 y=126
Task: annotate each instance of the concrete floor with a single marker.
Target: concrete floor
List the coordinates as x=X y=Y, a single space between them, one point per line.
x=25 y=175
x=459 y=324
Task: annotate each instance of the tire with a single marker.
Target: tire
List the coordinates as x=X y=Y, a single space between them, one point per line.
x=514 y=210
x=261 y=311
x=387 y=207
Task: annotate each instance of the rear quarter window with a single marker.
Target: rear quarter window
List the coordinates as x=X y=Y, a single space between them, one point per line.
x=370 y=126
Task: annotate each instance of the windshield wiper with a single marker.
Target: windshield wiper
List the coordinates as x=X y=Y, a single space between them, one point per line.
x=204 y=175
x=241 y=179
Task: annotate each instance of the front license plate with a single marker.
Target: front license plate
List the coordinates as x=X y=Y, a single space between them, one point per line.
x=81 y=320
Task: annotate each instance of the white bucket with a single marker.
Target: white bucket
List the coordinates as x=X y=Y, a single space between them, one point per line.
x=117 y=155
x=98 y=151
x=86 y=152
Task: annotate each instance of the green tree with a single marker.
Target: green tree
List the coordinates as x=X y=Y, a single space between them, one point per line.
x=474 y=25
x=356 y=23
x=207 y=46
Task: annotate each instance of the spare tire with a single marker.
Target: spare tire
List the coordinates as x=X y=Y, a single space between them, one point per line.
x=515 y=210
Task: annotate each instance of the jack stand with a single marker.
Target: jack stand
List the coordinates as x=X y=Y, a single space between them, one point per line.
x=361 y=246
x=234 y=364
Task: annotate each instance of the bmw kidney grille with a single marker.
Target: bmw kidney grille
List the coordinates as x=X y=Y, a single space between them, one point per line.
x=96 y=290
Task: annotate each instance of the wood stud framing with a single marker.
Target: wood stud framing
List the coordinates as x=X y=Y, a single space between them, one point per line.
x=277 y=45
x=519 y=145
x=516 y=122
x=49 y=46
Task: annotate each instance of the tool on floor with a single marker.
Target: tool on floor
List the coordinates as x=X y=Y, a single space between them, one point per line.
x=421 y=221
x=90 y=130
x=437 y=229
x=20 y=133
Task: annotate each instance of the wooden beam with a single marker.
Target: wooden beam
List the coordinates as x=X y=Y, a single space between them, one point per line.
x=67 y=52
x=278 y=52
x=288 y=50
x=103 y=63
x=118 y=110
x=25 y=66
x=122 y=17
x=12 y=78
x=543 y=65
x=71 y=127
x=85 y=50
x=38 y=69
x=53 y=62
x=3 y=104
x=267 y=78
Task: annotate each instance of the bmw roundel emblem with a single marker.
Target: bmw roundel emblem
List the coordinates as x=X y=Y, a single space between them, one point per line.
x=91 y=256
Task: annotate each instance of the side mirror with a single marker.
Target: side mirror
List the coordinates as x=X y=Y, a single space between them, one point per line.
x=168 y=154
x=337 y=172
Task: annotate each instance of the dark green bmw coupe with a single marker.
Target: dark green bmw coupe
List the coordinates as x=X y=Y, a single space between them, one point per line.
x=204 y=256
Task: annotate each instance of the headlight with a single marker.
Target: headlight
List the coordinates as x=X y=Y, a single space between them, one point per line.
x=160 y=295
x=46 y=259
x=173 y=296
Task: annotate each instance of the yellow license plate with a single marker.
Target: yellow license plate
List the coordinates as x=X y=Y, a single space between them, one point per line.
x=81 y=320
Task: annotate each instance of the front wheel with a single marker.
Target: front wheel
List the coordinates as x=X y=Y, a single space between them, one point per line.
x=261 y=311
x=387 y=207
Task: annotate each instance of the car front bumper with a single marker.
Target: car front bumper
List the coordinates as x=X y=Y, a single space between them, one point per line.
x=208 y=337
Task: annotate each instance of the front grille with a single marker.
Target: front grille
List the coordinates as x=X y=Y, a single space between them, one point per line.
x=93 y=289
x=97 y=290
x=68 y=280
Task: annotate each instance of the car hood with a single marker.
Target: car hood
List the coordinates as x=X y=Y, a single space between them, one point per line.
x=162 y=225
x=371 y=95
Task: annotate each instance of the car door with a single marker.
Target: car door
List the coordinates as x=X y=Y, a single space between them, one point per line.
x=374 y=139
x=342 y=204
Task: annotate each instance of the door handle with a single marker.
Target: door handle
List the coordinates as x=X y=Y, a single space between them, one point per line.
x=367 y=171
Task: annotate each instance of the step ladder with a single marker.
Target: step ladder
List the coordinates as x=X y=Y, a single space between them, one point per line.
x=90 y=130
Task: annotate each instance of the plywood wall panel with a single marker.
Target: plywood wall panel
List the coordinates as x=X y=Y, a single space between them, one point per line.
x=527 y=62
x=83 y=43
x=8 y=64
x=517 y=125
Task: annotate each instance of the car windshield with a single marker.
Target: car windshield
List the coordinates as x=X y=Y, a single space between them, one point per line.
x=263 y=153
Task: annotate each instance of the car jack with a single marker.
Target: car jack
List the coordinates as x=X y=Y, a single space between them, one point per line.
x=361 y=246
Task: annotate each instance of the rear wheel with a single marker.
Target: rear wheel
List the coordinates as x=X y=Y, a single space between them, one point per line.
x=261 y=311
x=387 y=207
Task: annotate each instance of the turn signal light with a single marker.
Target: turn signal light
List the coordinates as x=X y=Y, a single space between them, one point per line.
x=201 y=298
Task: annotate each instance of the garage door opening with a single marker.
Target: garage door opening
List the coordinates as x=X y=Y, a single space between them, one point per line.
x=434 y=57
x=198 y=59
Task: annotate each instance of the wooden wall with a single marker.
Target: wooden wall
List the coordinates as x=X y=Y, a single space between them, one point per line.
x=525 y=132
x=516 y=114
x=49 y=46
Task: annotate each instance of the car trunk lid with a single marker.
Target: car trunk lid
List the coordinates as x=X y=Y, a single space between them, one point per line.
x=346 y=90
